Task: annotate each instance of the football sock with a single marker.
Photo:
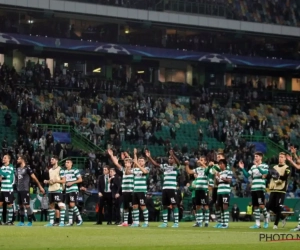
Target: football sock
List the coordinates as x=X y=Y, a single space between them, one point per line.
x=278 y=216
x=265 y=213
x=51 y=213
x=299 y=221
x=146 y=216
x=165 y=215
x=218 y=216
x=76 y=210
x=71 y=213
x=126 y=217
x=200 y=215
x=176 y=215
x=222 y=217
x=257 y=216
x=22 y=214
x=29 y=214
x=136 y=215
x=206 y=216
x=10 y=213
x=1 y=211
x=62 y=215
x=226 y=216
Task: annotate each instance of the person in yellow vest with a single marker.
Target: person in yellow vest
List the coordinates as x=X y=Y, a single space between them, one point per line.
x=278 y=186
x=56 y=181
x=249 y=212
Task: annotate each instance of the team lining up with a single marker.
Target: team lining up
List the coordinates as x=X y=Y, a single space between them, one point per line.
x=212 y=180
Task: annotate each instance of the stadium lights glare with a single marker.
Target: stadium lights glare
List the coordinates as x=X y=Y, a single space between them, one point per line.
x=141 y=72
x=30 y=21
x=126 y=31
x=97 y=70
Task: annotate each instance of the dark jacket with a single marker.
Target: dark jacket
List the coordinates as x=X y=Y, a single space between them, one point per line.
x=101 y=183
x=115 y=185
x=235 y=211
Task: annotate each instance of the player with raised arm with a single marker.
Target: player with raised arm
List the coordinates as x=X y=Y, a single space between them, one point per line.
x=169 y=187
x=24 y=173
x=258 y=172
x=7 y=189
x=127 y=182
x=140 y=173
x=223 y=179
x=297 y=166
x=73 y=178
x=201 y=193
x=56 y=180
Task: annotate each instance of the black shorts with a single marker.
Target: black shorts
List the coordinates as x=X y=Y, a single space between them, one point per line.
x=193 y=203
x=23 y=198
x=169 y=197
x=139 y=198
x=223 y=199
x=7 y=197
x=258 y=198
x=214 y=195
x=127 y=200
x=71 y=197
x=276 y=200
x=201 y=198
x=55 y=197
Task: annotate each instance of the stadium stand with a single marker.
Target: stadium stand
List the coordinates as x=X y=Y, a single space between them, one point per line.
x=276 y=12
x=159 y=123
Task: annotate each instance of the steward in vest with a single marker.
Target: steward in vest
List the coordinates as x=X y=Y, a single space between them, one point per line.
x=278 y=186
x=249 y=212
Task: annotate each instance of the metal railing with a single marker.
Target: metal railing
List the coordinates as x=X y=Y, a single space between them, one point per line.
x=272 y=148
x=75 y=135
x=78 y=162
x=204 y=8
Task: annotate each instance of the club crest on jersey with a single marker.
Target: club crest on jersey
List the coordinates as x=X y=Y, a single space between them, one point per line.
x=20 y=176
x=256 y=172
x=168 y=168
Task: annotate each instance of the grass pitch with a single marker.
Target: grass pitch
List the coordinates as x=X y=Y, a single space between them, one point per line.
x=89 y=236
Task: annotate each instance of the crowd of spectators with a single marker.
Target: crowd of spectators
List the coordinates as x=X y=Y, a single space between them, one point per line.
x=192 y=40
x=271 y=11
x=118 y=118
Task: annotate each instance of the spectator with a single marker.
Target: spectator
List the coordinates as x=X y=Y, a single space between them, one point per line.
x=7 y=119
x=249 y=212
x=235 y=213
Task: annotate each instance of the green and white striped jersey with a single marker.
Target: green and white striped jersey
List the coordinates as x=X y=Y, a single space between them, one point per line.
x=8 y=181
x=256 y=173
x=170 y=176
x=202 y=178
x=224 y=187
x=72 y=175
x=127 y=182
x=213 y=170
x=140 y=180
x=211 y=177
